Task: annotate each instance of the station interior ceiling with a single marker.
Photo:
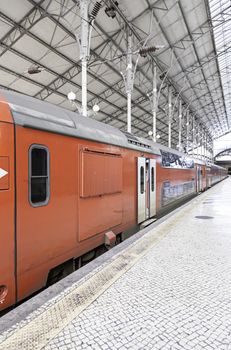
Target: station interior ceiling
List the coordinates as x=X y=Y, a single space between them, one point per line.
x=40 y=56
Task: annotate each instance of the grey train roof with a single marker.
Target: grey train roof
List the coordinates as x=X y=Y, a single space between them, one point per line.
x=30 y=112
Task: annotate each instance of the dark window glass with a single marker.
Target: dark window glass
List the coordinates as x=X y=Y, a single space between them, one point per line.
x=38 y=189
x=152 y=180
x=39 y=177
x=39 y=162
x=141 y=179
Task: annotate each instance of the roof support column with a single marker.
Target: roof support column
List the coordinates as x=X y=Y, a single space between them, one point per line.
x=201 y=141
x=207 y=148
x=129 y=81
x=193 y=137
x=212 y=150
x=154 y=103
x=197 y=140
x=187 y=131
x=84 y=51
x=204 y=144
x=180 y=124
x=169 y=117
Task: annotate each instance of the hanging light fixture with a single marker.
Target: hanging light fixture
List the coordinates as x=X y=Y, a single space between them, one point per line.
x=35 y=69
x=111 y=10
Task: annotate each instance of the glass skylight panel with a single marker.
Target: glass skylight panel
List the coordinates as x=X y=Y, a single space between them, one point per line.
x=220 y=15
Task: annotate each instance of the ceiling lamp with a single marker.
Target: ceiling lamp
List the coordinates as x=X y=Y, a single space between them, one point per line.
x=95 y=108
x=71 y=96
x=35 y=69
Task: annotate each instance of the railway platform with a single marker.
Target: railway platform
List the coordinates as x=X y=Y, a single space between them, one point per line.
x=167 y=287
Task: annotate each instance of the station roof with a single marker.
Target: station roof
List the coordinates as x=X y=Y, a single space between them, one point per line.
x=193 y=62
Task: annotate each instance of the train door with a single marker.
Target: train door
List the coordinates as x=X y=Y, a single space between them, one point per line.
x=199 y=178
x=146 y=188
x=208 y=177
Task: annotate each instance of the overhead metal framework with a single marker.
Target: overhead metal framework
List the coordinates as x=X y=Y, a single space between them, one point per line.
x=226 y=152
x=220 y=13
x=41 y=37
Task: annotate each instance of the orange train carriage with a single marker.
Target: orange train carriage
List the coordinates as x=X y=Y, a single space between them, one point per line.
x=66 y=181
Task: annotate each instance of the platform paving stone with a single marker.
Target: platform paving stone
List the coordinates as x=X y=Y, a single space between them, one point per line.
x=178 y=296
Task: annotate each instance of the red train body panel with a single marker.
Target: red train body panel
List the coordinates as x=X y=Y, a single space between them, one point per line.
x=64 y=184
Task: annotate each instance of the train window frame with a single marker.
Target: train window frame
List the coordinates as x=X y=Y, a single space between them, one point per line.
x=47 y=176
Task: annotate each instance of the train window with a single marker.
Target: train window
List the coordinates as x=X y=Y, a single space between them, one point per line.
x=152 y=179
x=38 y=175
x=141 y=179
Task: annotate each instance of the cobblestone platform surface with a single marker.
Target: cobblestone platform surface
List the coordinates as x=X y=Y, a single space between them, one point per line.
x=170 y=289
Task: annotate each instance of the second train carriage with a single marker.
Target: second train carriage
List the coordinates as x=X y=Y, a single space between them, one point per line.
x=66 y=181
